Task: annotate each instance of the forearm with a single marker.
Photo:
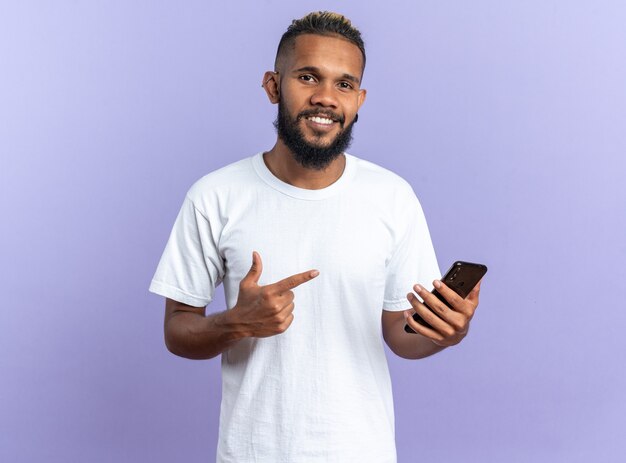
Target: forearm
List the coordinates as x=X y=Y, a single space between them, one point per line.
x=409 y=345
x=196 y=336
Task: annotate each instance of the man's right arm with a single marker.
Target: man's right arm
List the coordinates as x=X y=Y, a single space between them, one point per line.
x=191 y=334
x=260 y=311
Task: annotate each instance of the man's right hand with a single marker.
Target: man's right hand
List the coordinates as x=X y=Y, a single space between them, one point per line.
x=266 y=310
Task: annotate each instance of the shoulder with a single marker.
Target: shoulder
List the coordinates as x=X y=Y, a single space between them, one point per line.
x=222 y=182
x=381 y=178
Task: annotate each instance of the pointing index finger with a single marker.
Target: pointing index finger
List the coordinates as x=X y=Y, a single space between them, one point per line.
x=293 y=281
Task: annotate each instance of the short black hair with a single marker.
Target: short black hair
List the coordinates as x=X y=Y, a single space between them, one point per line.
x=321 y=23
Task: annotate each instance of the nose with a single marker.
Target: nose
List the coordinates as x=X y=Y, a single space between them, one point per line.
x=324 y=96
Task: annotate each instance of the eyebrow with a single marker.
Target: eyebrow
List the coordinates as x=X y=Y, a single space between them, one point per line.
x=316 y=70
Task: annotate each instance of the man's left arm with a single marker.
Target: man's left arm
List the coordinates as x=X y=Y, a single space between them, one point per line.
x=448 y=325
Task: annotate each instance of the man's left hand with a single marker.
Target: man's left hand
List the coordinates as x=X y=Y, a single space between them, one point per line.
x=448 y=325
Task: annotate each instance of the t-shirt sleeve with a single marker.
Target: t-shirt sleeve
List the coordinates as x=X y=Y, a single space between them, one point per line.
x=413 y=260
x=191 y=267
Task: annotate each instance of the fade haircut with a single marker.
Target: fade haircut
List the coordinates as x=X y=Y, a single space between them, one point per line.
x=320 y=23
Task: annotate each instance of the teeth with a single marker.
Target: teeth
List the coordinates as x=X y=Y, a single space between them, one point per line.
x=321 y=120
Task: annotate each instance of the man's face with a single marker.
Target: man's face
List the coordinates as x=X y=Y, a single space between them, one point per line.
x=319 y=96
x=316 y=154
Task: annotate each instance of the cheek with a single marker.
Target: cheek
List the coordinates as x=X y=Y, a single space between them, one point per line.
x=293 y=106
x=351 y=104
x=294 y=94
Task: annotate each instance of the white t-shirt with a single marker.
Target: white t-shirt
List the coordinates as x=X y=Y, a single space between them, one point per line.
x=320 y=391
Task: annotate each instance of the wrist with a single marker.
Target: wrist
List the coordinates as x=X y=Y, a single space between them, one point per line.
x=231 y=327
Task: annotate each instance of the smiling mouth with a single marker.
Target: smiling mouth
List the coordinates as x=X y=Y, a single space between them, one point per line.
x=320 y=120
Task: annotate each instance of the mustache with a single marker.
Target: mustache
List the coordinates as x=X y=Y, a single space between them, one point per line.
x=327 y=114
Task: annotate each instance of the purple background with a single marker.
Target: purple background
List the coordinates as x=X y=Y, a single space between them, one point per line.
x=508 y=118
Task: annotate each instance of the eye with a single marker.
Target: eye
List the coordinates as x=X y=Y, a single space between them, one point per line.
x=307 y=78
x=345 y=85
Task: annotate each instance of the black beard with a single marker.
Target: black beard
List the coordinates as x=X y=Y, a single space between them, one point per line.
x=307 y=155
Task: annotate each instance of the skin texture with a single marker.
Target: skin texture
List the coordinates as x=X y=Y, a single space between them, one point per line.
x=320 y=75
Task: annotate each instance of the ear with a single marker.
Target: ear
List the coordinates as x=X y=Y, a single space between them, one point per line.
x=361 y=97
x=271 y=84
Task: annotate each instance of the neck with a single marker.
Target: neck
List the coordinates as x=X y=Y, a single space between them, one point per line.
x=280 y=161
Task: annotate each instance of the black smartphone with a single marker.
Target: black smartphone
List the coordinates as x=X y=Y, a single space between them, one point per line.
x=461 y=278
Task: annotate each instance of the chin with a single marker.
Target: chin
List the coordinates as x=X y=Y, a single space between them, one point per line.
x=319 y=142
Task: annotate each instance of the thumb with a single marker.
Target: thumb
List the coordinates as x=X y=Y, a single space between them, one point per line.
x=255 y=269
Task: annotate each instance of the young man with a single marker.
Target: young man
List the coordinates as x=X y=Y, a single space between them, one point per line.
x=316 y=249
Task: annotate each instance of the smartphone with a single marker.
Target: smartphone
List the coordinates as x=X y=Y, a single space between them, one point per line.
x=461 y=278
